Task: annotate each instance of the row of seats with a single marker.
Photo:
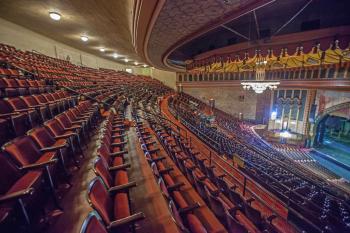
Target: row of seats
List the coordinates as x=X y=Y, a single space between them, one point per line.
x=10 y=87
x=108 y=193
x=32 y=164
x=182 y=210
x=235 y=212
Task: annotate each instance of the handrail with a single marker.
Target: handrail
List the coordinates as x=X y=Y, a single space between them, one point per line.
x=82 y=94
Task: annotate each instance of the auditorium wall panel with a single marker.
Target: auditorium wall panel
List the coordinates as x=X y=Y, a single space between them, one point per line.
x=166 y=77
x=25 y=39
x=232 y=100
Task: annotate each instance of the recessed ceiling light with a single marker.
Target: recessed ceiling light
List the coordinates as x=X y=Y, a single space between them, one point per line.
x=126 y=60
x=84 y=38
x=55 y=16
x=136 y=63
x=115 y=55
x=102 y=49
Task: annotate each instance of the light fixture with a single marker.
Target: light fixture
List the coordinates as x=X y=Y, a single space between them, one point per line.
x=55 y=16
x=126 y=60
x=259 y=86
x=144 y=65
x=115 y=55
x=102 y=49
x=84 y=38
x=285 y=134
x=136 y=63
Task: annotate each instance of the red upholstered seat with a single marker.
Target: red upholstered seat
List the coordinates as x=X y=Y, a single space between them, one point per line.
x=93 y=224
x=17 y=188
x=111 y=205
x=195 y=225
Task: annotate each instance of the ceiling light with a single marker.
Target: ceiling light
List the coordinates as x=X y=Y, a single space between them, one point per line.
x=55 y=16
x=136 y=63
x=126 y=60
x=84 y=38
x=115 y=55
x=102 y=49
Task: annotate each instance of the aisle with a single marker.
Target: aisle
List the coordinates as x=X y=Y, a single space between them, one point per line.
x=74 y=202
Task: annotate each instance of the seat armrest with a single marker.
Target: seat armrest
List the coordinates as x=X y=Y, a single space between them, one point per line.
x=79 y=122
x=189 y=208
x=119 y=167
x=270 y=218
x=118 y=153
x=122 y=187
x=53 y=148
x=250 y=200
x=118 y=136
x=150 y=143
x=175 y=186
x=158 y=158
x=8 y=114
x=73 y=128
x=16 y=195
x=119 y=143
x=38 y=165
x=153 y=150
x=147 y=137
x=117 y=130
x=126 y=221
x=63 y=136
x=166 y=170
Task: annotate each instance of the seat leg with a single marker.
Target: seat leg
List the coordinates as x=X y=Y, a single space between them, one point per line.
x=63 y=163
x=24 y=211
x=76 y=161
x=80 y=147
x=52 y=187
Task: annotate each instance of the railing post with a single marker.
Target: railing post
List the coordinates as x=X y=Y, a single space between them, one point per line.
x=210 y=160
x=244 y=185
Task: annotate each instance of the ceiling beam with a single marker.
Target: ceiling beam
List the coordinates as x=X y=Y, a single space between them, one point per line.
x=293 y=17
x=234 y=31
x=256 y=24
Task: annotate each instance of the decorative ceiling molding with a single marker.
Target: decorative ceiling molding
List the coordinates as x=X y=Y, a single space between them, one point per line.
x=183 y=20
x=212 y=24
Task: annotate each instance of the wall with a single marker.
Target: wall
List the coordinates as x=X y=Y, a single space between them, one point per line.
x=166 y=77
x=228 y=99
x=326 y=99
x=25 y=39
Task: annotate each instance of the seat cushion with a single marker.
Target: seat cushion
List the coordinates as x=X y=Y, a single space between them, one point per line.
x=195 y=225
x=121 y=177
x=121 y=206
x=46 y=157
x=28 y=180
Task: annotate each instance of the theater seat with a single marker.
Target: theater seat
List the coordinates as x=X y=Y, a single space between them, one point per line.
x=18 y=190
x=112 y=205
x=30 y=158
x=93 y=224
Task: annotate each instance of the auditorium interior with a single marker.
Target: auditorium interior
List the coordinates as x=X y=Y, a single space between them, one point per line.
x=175 y=116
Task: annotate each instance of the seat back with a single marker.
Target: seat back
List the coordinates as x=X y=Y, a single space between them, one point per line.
x=64 y=120
x=42 y=137
x=100 y=200
x=253 y=214
x=54 y=127
x=17 y=103
x=101 y=170
x=23 y=150
x=5 y=107
x=176 y=217
x=215 y=204
x=104 y=153
x=235 y=197
x=93 y=224
x=233 y=226
x=9 y=173
x=30 y=100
